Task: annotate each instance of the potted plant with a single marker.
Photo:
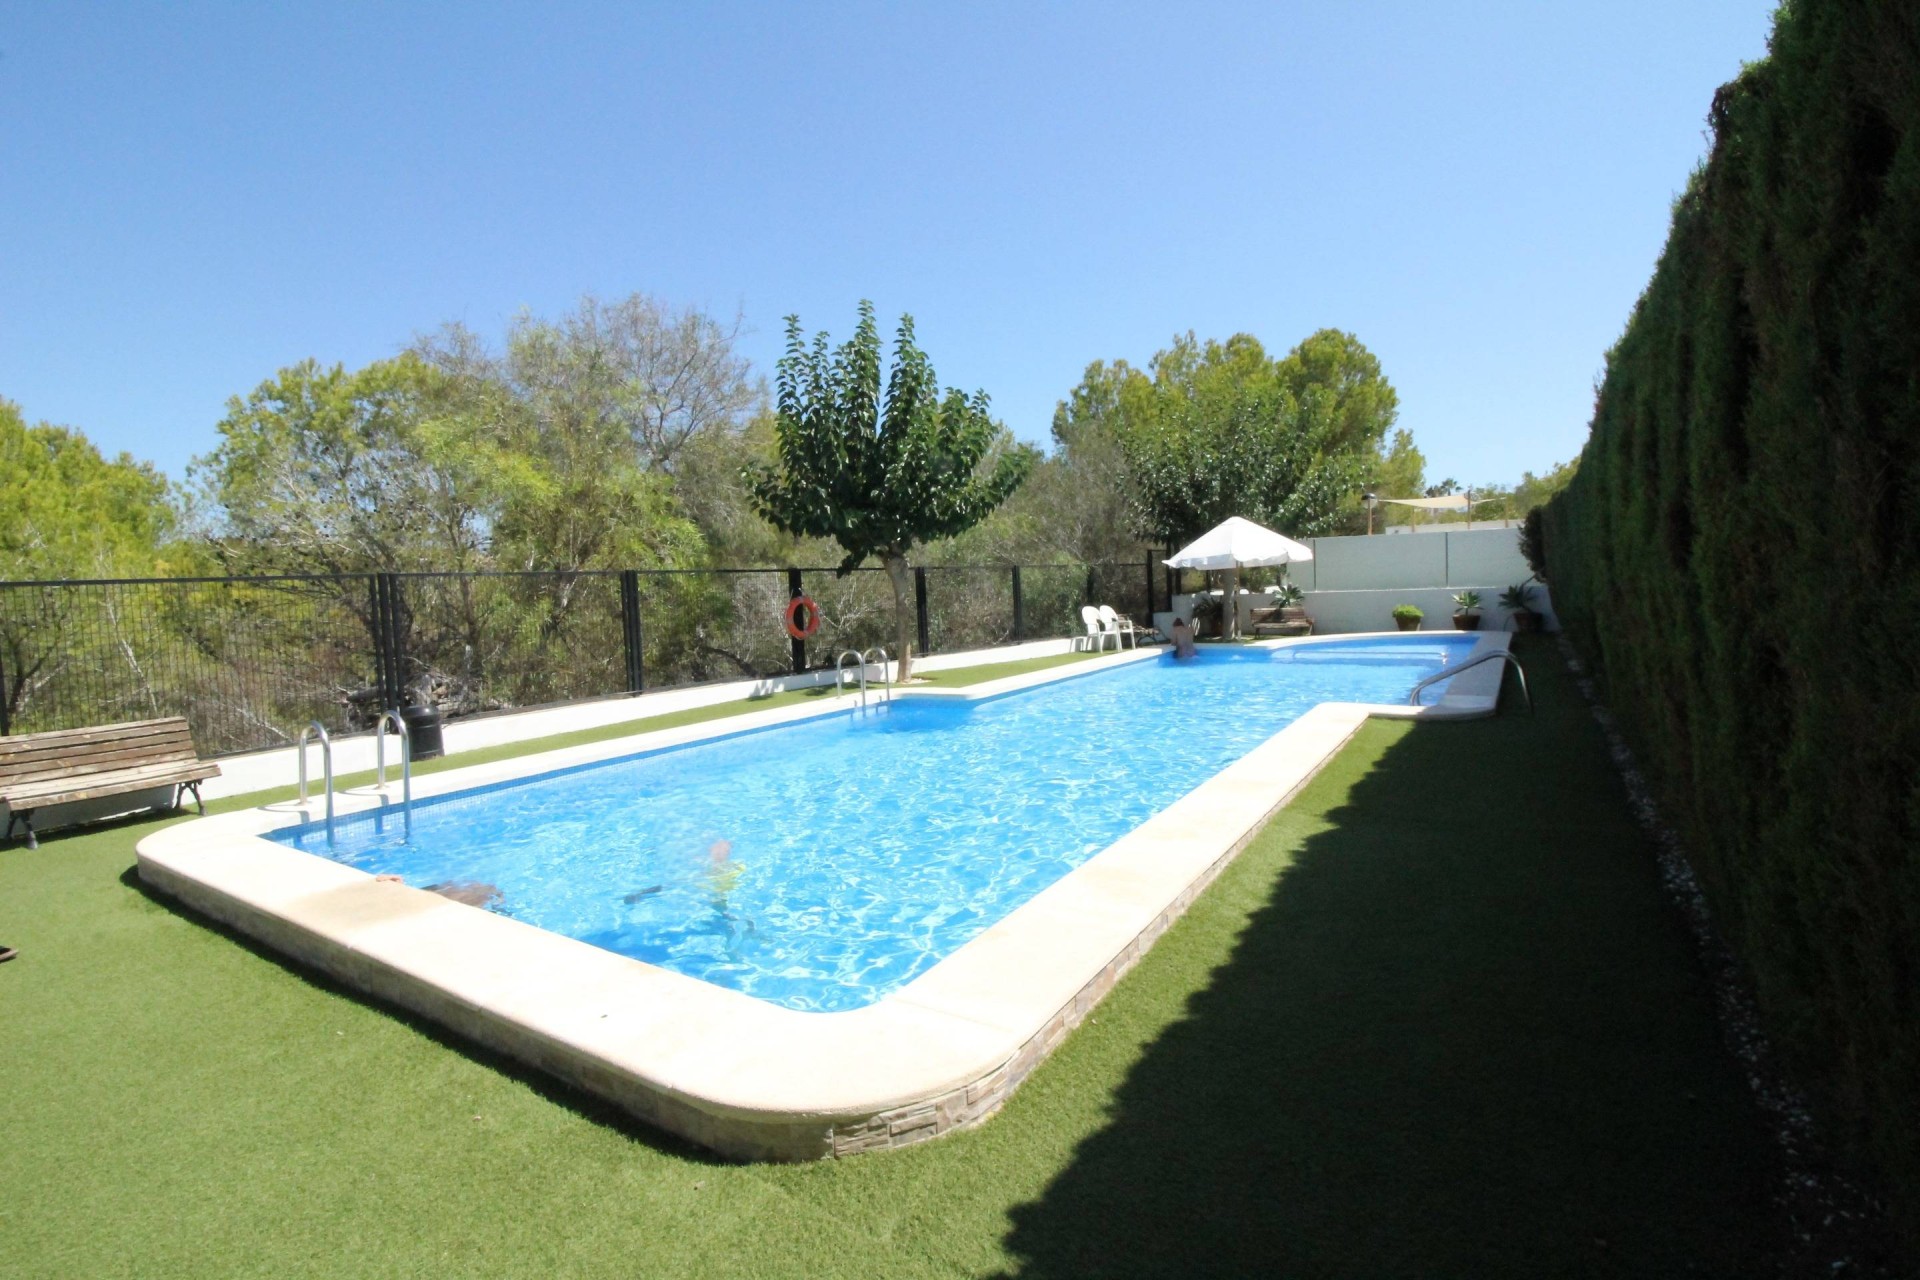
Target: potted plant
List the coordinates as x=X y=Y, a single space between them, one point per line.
x=1407 y=617
x=1291 y=601
x=1466 y=611
x=1517 y=600
x=1206 y=614
x=1286 y=616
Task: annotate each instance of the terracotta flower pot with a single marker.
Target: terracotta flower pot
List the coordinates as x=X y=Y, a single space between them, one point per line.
x=1526 y=620
x=1466 y=622
x=1409 y=624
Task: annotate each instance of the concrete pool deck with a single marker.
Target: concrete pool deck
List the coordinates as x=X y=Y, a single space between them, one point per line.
x=735 y=1074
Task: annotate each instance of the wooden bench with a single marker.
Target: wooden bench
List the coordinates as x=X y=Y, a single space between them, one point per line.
x=38 y=770
x=1289 y=621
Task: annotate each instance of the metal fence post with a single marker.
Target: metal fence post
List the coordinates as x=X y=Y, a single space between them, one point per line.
x=6 y=720
x=794 y=592
x=920 y=605
x=1089 y=595
x=1019 y=610
x=630 y=634
x=1148 y=620
x=389 y=639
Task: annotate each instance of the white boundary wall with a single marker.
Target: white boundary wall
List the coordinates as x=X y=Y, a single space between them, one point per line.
x=1353 y=583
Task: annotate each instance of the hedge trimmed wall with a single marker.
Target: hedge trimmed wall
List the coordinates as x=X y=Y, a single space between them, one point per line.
x=1739 y=555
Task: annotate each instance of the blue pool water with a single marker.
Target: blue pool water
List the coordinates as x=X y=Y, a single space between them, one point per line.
x=823 y=864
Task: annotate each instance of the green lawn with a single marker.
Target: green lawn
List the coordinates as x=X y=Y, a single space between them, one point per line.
x=1437 y=1020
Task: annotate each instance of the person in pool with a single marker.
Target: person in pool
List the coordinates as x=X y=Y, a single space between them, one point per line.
x=723 y=873
x=1183 y=639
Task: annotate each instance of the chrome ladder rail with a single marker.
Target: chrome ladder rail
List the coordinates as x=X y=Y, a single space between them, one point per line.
x=860 y=670
x=393 y=717
x=326 y=768
x=1493 y=655
x=886 y=678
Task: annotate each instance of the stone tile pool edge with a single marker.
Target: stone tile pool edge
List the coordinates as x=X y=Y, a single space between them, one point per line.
x=738 y=1075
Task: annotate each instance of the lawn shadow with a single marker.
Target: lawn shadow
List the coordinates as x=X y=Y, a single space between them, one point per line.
x=1463 y=1035
x=582 y=1104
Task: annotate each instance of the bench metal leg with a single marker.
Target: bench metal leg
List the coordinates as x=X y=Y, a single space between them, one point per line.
x=195 y=788
x=25 y=819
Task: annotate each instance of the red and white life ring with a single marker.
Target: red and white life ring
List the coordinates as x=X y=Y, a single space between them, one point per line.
x=797 y=630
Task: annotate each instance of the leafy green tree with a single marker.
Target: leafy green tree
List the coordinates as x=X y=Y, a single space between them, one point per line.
x=320 y=470
x=1222 y=427
x=69 y=512
x=66 y=511
x=1365 y=405
x=877 y=475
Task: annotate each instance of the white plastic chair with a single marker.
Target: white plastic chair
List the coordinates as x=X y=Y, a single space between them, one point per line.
x=1117 y=625
x=1097 y=632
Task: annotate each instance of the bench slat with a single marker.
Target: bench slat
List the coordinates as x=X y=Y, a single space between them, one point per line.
x=41 y=745
x=10 y=781
x=104 y=784
x=126 y=729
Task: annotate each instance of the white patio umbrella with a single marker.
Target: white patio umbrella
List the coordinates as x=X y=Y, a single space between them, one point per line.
x=1233 y=543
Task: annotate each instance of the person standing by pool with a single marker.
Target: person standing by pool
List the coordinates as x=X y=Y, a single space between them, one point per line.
x=1182 y=639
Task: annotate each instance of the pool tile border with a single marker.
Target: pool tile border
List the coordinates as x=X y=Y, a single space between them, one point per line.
x=737 y=1075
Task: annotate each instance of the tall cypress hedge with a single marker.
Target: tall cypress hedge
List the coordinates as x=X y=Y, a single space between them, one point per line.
x=1739 y=556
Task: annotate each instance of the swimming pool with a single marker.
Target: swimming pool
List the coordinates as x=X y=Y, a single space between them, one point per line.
x=825 y=864
x=742 y=1074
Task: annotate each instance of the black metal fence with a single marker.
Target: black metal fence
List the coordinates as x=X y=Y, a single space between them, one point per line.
x=249 y=661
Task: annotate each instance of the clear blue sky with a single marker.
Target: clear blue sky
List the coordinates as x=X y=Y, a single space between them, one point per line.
x=197 y=195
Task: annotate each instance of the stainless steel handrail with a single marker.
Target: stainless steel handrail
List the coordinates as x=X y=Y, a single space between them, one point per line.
x=1492 y=655
x=393 y=717
x=886 y=677
x=860 y=670
x=326 y=768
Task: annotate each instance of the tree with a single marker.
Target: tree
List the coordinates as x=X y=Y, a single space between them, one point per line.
x=325 y=471
x=68 y=512
x=879 y=477
x=1259 y=454
x=575 y=427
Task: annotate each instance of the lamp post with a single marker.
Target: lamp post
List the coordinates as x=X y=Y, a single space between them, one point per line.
x=1370 y=500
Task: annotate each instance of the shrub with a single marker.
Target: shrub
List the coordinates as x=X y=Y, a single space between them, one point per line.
x=1755 y=463
x=1411 y=612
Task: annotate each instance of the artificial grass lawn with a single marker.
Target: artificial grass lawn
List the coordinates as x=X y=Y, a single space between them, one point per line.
x=1436 y=1020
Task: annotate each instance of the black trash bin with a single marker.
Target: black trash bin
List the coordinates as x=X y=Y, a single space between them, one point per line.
x=423 y=731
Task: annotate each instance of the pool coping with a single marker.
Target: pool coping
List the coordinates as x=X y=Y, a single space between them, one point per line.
x=733 y=1073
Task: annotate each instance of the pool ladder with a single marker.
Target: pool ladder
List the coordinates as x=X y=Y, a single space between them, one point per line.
x=861 y=662
x=316 y=729
x=1493 y=655
x=326 y=769
x=393 y=717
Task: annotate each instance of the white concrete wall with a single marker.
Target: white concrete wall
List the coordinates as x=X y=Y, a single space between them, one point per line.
x=1338 y=612
x=1457 y=558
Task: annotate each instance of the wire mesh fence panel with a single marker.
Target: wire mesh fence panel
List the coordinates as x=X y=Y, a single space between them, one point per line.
x=968 y=607
x=1050 y=600
x=713 y=625
x=856 y=613
x=1124 y=586
x=248 y=662
x=472 y=643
